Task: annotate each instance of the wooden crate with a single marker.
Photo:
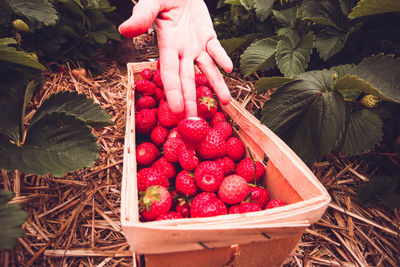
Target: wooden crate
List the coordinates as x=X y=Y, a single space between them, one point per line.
x=286 y=177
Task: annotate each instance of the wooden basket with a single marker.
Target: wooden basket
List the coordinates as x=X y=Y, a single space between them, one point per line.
x=286 y=177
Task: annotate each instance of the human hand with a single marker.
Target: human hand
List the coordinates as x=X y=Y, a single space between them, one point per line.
x=185 y=36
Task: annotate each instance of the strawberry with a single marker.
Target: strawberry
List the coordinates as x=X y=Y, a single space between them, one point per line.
x=224 y=128
x=158 y=135
x=249 y=207
x=147 y=74
x=183 y=208
x=188 y=159
x=157 y=79
x=145 y=102
x=158 y=94
x=165 y=116
x=169 y=216
x=227 y=164
x=172 y=148
x=245 y=168
x=165 y=167
x=147 y=153
x=206 y=205
x=234 y=209
x=259 y=195
x=155 y=201
x=213 y=146
x=233 y=189
x=206 y=107
x=235 y=148
x=150 y=176
x=145 y=121
x=158 y=64
x=208 y=176
x=203 y=91
x=200 y=80
x=218 y=117
x=275 y=203
x=185 y=184
x=145 y=87
x=193 y=129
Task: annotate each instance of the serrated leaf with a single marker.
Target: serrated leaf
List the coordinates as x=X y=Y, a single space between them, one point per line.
x=36 y=10
x=11 y=218
x=247 y=4
x=373 y=7
x=10 y=54
x=341 y=70
x=74 y=104
x=28 y=96
x=7 y=41
x=235 y=43
x=263 y=8
x=293 y=54
x=363 y=132
x=266 y=83
x=55 y=144
x=258 y=56
x=322 y=12
x=330 y=41
x=286 y=17
x=347 y=6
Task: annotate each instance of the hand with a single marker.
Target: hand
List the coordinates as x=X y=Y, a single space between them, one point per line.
x=185 y=36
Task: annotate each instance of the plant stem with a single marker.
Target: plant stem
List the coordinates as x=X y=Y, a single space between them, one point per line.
x=17 y=183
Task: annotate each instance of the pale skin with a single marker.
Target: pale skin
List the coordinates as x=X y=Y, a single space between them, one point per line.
x=185 y=37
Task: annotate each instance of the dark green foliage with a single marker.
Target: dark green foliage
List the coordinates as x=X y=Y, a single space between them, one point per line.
x=380 y=189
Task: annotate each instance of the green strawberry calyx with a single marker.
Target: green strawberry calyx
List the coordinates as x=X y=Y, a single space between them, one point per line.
x=148 y=197
x=207 y=101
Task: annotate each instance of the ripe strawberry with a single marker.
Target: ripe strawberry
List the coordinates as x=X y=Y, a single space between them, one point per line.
x=183 y=208
x=158 y=94
x=213 y=146
x=208 y=176
x=155 y=201
x=245 y=168
x=169 y=216
x=201 y=80
x=206 y=107
x=158 y=135
x=275 y=203
x=172 y=148
x=150 y=176
x=145 y=87
x=188 y=160
x=235 y=148
x=165 y=167
x=233 y=189
x=185 y=184
x=249 y=207
x=165 y=116
x=206 y=205
x=145 y=102
x=234 y=209
x=259 y=195
x=147 y=74
x=224 y=128
x=193 y=130
x=203 y=91
x=158 y=64
x=227 y=164
x=157 y=79
x=147 y=153
x=218 y=117
x=145 y=121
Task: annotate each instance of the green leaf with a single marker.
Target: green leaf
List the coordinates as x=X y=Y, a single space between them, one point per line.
x=341 y=70
x=11 y=218
x=73 y=7
x=363 y=132
x=7 y=41
x=28 y=96
x=235 y=43
x=55 y=144
x=247 y=4
x=286 y=17
x=330 y=41
x=373 y=7
x=10 y=54
x=263 y=8
x=266 y=83
x=258 y=56
x=293 y=54
x=74 y=104
x=36 y=10
x=321 y=12
x=391 y=199
x=347 y=6
x=99 y=37
x=379 y=188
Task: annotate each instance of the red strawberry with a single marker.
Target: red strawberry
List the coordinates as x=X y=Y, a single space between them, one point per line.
x=145 y=87
x=208 y=176
x=172 y=148
x=158 y=135
x=158 y=64
x=183 y=208
x=206 y=205
x=235 y=148
x=147 y=153
x=233 y=189
x=249 y=207
x=165 y=116
x=203 y=91
x=224 y=128
x=206 y=107
x=150 y=176
x=200 y=80
x=185 y=183
x=158 y=94
x=234 y=209
x=218 y=117
x=145 y=102
x=188 y=160
x=275 y=203
x=245 y=168
x=145 y=121
x=227 y=164
x=259 y=195
x=147 y=74
x=157 y=79
x=165 y=167
x=155 y=201
x=169 y=216
x=193 y=130
x=213 y=146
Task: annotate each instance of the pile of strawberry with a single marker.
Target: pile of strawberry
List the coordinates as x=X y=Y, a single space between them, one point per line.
x=191 y=167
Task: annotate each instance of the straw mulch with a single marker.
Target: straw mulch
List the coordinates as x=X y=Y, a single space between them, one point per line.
x=75 y=220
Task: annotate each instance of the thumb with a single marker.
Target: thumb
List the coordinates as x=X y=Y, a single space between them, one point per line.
x=143 y=15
